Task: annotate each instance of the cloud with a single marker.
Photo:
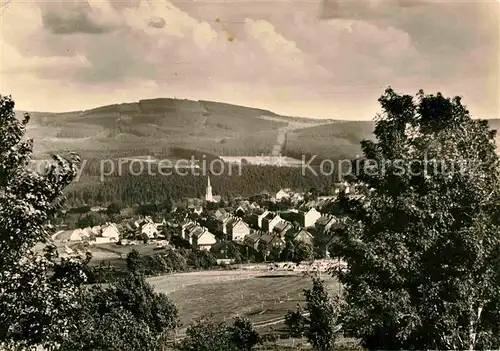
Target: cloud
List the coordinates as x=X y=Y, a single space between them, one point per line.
x=283 y=53
x=87 y=17
x=157 y=22
x=271 y=41
x=74 y=23
x=15 y=63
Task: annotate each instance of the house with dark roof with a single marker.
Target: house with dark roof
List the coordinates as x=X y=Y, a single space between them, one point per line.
x=237 y=229
x=200 y=237
x=270 y=221
x=252 y=239
x=301 y=235
x=222 y=223
x=219 y=213
x=325 y=223
x=282 y=228
x=186 y=227
x=258 y=216
x=268 y=242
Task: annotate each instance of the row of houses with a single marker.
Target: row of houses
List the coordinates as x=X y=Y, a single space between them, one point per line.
x=266 y=220
x=111 y=232
x=250 y=224
x=98 y=234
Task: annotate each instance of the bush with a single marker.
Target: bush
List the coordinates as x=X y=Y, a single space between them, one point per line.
x=208 y=335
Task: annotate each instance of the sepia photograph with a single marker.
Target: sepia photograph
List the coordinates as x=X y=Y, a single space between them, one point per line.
x=249 y=175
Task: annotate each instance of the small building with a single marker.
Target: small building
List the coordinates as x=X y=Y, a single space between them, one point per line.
x=225 y=261
x=282 y=194
x=325 y=223
x=98 y=209
x=270 y=221
x=186 y=227
x=268 y=242
x=342 y=188
x=220 y=213
x=307 y=219
x=222 y=223
x=237 y=229
x=161 y=244
x=110 y=231
x=150 y=230
x=302 y=236
x=258 y=216
x=252 y=240
x=76 y=235
x=203 y=240
x=87 y=232
x=282 y=228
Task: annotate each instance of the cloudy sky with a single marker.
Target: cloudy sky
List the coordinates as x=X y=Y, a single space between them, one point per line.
x=304 y=58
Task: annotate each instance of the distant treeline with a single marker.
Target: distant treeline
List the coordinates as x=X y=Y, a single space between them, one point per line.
x=130 y=189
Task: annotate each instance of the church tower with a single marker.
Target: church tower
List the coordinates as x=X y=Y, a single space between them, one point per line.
x=208 y=192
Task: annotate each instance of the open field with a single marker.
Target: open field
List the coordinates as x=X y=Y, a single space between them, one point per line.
x=263 y=298
x=143 y=249
x=172 y=283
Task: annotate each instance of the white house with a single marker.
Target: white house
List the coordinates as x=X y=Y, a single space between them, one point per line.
x=110 y=231
x=86 y=232
x=282 y=194
x=76 y=235
x=270 y=222
x=150 y=229
x=201 y=238
x=308 y=219
x=237 y=229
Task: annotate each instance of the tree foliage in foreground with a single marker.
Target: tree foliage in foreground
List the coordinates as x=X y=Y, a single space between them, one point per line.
x=423 y=239
x=43 y=298
x=319 y=320
x=127 y=315
x=209 y=335
x=34 y=302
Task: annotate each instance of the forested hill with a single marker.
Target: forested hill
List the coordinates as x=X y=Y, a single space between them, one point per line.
x=149 y=126
x=214 y=127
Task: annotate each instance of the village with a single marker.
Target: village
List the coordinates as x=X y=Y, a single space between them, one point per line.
x=253 y=230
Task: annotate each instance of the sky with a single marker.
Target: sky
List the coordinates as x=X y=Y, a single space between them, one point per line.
x=327 y=59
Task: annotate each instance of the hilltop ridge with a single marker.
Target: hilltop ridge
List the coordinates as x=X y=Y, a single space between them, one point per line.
x=136 y=128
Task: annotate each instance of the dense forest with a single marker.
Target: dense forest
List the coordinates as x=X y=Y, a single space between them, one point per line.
x=130 y=189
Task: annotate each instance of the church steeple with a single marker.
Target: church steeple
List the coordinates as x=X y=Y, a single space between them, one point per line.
x=208 y=192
